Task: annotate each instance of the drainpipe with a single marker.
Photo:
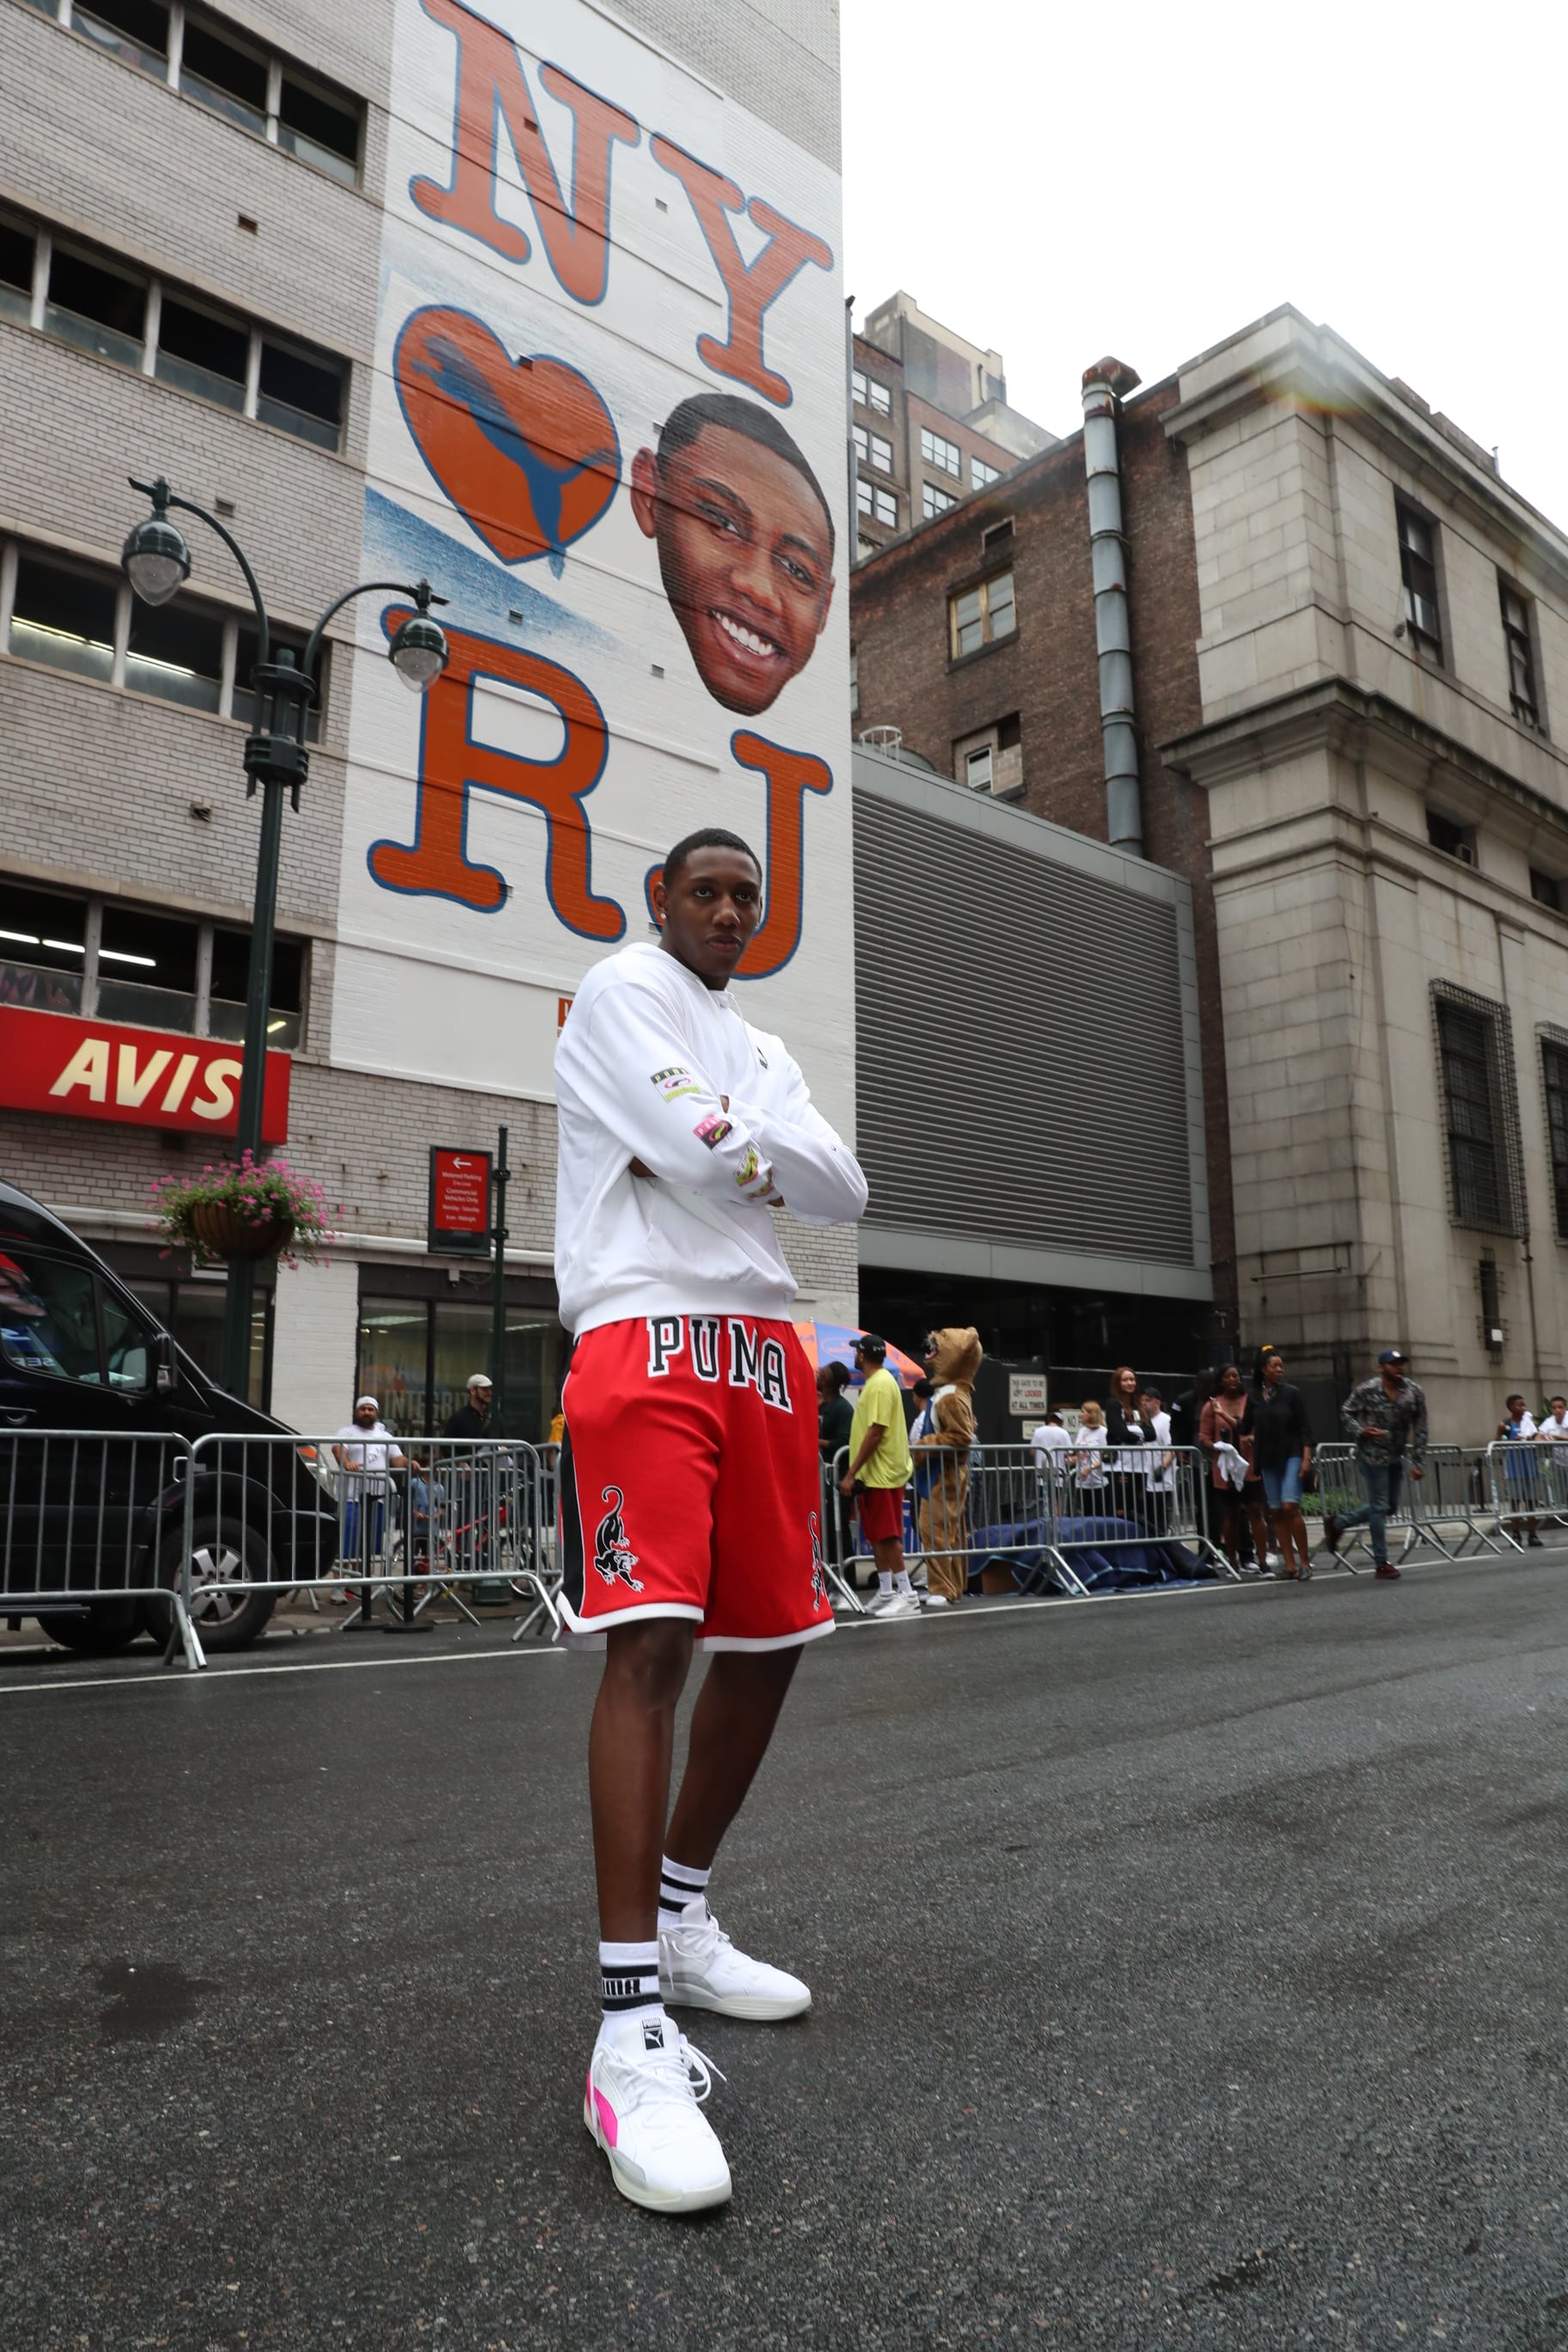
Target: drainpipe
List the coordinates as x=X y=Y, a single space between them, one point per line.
x=1103 y=385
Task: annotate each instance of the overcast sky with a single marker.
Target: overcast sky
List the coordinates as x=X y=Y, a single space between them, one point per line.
x=1061 y=183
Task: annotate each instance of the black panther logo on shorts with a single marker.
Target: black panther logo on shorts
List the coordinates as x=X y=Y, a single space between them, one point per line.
x=819 y=1572
x=612 y=1555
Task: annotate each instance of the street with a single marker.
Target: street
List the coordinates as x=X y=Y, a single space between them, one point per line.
x=1188 y=1971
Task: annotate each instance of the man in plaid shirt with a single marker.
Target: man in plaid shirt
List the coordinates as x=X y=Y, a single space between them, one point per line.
x=1386 y=1415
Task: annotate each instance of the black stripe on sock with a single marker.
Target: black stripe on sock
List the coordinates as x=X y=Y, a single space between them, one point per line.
x=653 y=1999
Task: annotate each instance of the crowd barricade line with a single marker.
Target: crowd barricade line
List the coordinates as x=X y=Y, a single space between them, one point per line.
x=96 y=1528
x=1527 y=1479
x=401 y=1519
x=1452 y=1509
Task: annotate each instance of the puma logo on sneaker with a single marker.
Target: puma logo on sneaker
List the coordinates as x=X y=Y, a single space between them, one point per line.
x=653 y=2033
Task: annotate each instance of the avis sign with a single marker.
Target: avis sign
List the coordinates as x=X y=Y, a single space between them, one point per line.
x=135 y=1078
x=606 y=420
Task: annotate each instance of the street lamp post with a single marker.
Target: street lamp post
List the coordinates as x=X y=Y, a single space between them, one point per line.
x=157 y=562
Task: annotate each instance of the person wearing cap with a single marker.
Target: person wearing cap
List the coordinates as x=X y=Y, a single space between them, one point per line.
x=1386 y=1415
x=365 y=1450
x=880 y=1467
x=473 y=1419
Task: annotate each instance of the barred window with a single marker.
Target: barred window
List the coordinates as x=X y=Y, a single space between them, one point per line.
x=1480 y=1114
x=1555 y=1079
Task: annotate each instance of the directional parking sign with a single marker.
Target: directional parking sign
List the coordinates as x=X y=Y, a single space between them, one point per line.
x=460 y=1219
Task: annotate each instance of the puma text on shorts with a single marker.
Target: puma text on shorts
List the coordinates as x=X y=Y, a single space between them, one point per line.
x=689 y=1482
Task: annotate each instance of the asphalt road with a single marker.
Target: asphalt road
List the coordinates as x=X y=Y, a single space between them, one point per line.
x=1188 y=1971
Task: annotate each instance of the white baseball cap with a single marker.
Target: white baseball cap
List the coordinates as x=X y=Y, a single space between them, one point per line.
x=372 y=1402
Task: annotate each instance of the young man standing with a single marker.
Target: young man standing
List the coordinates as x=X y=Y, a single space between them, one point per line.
x=879 y=1466
x=1386 y=1415
x=690 y=1505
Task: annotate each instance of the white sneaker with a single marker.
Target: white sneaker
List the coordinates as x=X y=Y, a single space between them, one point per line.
x=699 y=1968
x=940 y=1600
x=896 y=1604
x=641 y=2104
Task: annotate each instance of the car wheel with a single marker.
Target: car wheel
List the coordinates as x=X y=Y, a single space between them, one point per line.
x=107 y=1626
x=224 y=1554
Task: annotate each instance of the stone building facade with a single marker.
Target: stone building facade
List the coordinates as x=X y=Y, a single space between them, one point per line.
x=191 y=224
x=1350 y=653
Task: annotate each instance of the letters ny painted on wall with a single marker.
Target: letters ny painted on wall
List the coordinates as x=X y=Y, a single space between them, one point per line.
x=607 y=422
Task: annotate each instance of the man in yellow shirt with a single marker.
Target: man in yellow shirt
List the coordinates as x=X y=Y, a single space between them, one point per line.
x=880 y=1467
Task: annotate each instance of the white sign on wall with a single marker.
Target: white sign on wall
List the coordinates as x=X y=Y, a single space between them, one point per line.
x=607 y=423
x=1026 y=1398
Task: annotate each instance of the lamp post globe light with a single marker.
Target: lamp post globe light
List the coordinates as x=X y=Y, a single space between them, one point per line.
x=157 y=563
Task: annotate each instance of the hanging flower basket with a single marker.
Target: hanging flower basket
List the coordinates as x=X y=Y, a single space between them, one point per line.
x=245 y=1208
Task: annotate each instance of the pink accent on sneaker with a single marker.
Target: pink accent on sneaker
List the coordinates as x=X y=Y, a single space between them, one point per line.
x=606 y=2115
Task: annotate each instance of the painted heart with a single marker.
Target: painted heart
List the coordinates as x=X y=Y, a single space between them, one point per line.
x=525 y=448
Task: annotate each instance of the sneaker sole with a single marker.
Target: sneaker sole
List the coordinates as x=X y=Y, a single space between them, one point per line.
x=638 y=2192
x=761 y=2012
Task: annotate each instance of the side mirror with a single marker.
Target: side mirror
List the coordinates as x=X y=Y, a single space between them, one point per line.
x=167 y=1376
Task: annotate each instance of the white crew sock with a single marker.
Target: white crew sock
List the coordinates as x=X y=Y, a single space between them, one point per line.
x=901 y=1582
x=884 y=1579
x=629 y=1980
x=678 y=1885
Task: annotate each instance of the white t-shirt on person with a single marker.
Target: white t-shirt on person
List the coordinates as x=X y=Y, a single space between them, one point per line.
x=366 y=1456
x=1090 y=1475
x=1162 y=1474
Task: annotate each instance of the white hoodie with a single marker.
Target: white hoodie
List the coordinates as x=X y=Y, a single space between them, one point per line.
x=646 y=1052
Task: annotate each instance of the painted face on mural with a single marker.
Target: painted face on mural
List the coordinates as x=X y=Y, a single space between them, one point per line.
x=745 y=552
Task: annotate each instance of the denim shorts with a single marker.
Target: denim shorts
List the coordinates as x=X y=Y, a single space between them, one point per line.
x=1282 y=1484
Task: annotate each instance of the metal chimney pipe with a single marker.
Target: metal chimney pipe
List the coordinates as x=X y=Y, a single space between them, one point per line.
x=1103 y=385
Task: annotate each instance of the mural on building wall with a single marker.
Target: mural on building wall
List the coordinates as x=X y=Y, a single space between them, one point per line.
x=607 y=423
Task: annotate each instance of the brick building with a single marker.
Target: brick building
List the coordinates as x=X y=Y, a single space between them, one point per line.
x=1347 y=647
x=228 y=327
x=930 y=422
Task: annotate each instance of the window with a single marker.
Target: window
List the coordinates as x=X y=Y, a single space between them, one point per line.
x=1454 y=840
x=1521 y=645
x=980 y=768
x=872 y=392
x=871 y=499
x=1475 y=1057
x=935 y=501
x=946 y=454
x=982 y=615
x=1493 y=1328
x=103 y=958
x=1546 y=890
x=98 y=309
x=81 y=618
x=201 y=351
x=135 y=31
x=128 y=1345
x=66 y=614
x=981 y=474
x=872 y=450
x=48 y=1316
x=1418 y=570
x=19 y=247
x=192 y=1312
x=100 y=305
x=996 y=536
x=415 y=1354
x=1555 y=1079
x=247 y=84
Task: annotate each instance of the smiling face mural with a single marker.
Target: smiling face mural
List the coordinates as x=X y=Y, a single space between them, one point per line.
x=607 y=422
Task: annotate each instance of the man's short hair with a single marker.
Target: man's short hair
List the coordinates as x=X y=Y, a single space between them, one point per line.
x=708 y=836
x=732 y=414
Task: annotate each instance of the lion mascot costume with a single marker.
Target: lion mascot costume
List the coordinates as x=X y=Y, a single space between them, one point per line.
x=943 y=1462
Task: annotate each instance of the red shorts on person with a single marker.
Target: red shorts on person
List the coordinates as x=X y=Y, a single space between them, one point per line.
x=691 y=1483
x=881 y=1514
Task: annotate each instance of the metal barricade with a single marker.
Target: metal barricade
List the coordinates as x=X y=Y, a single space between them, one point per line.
x=95 y=1536
x=1527 y=1484
x=402 y=1518
x=1450 y=1508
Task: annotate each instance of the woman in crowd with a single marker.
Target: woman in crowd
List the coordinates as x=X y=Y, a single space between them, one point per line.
x=1129 y=1429
x=1220 y=1425
x=1275 y=1419
x=1088 y=1460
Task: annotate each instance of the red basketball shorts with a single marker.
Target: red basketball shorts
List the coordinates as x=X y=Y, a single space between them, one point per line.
x=881 y=1513
x=690 y=1482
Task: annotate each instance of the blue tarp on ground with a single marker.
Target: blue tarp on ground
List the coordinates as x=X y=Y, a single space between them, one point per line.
x=1122 y=1567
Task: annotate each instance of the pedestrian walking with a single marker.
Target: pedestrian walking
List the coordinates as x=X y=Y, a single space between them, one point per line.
x=1521 y=1468
x=691 y=1487
x=1275 y=1419
x=366 y=1453
x=1241 y=1510
x=880 y=1467
x=834 y=1419
x=942 y=1450
x=1386 y=1415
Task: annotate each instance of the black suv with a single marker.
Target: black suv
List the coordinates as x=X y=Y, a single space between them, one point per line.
x=100 y=1507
